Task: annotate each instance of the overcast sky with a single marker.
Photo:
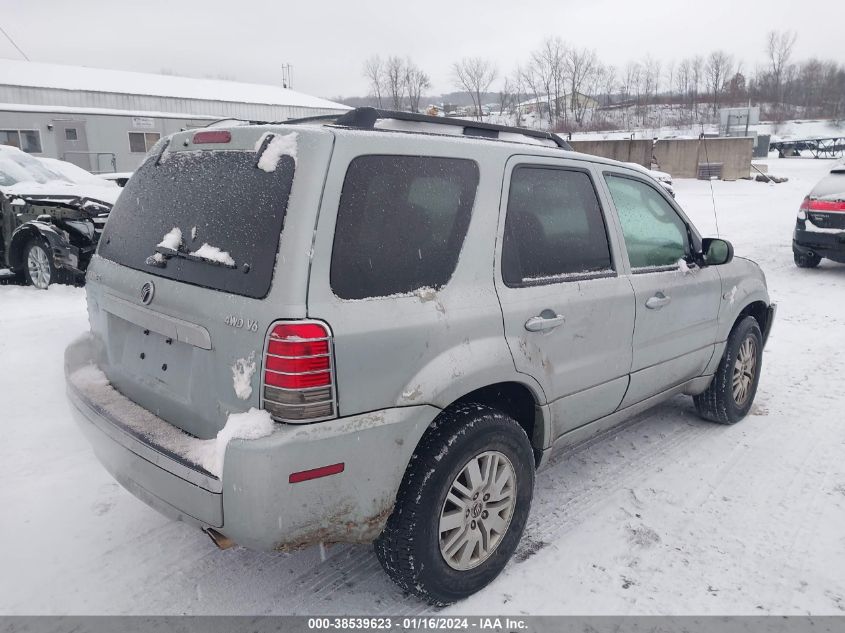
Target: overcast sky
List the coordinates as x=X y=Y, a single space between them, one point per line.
x=327 y=41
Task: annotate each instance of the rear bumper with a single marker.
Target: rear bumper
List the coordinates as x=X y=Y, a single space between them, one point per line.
x=253 y=502
x=829 y=245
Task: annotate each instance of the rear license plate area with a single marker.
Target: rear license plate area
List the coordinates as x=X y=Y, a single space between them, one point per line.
x=157 y=359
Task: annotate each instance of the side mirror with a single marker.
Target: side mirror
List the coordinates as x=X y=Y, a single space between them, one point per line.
x=716 y=251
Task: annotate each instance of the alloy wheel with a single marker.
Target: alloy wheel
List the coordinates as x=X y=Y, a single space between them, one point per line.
x=39 y=267
x=477 y=511
x=745 y=367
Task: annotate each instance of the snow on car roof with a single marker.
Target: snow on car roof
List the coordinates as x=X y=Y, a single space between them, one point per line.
x=40 y=75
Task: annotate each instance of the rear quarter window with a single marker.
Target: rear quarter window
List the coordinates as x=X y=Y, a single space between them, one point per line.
x=401 y=224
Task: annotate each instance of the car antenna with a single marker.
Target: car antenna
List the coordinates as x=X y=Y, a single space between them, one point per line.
x=703 y=139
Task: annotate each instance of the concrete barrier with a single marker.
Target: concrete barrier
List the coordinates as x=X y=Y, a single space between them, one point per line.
x=627 y=150
x=682 y=157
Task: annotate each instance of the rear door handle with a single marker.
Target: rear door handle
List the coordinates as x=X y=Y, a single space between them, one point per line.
x=540 y=323
x=657 y=301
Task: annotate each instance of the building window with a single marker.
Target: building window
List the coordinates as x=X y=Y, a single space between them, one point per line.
x=142 y=142
x=27 y=140
x=71 y=134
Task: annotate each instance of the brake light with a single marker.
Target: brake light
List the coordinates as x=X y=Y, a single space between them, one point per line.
x=827 y=205
x=212 y=136
x=299 y=381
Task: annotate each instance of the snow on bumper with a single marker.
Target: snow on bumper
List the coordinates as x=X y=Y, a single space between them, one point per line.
x=254 y=503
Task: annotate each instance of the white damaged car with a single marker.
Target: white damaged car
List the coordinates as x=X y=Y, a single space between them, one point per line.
x=49 y=222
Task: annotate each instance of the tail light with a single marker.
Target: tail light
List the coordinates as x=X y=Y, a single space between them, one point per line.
x=825 y=205
x=299 y=381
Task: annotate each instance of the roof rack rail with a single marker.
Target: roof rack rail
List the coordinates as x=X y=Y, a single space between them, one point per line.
x=366 y=117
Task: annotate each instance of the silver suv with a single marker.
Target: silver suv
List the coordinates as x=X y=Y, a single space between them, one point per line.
x=377 y=327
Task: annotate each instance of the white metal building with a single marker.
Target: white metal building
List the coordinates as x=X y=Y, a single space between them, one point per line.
x=105 y=120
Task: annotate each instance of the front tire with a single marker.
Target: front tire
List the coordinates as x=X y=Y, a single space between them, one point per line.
x=462 y=505
x=38 y=267
x=729 y=397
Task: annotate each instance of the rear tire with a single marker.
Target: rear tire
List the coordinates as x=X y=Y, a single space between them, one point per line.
x=443 y=551
x=729 y=397
x=38 y=267
x=806 y=261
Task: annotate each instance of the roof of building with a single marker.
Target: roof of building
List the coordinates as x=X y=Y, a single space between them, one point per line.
x=60 y=77
x=28 y=107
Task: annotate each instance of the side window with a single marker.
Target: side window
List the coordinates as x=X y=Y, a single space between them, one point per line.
x=655 y=235
x=26 y=140
x=401 y=223
x=554 y=227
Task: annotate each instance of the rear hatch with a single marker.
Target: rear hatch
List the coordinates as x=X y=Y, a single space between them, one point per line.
x=206 y=246
x=826 y=202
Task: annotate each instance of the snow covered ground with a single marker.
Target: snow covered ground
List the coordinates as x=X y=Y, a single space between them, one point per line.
x=666 y=514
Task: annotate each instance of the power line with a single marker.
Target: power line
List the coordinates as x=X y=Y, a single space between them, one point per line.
x=9 y=37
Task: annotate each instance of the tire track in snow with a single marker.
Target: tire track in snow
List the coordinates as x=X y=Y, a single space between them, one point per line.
x=621 y=458
x=552 y=519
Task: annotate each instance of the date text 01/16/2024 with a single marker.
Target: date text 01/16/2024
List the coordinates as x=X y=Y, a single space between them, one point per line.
x=418 y=623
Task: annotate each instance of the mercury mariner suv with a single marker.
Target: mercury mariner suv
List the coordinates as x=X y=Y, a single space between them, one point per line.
x=376 y=327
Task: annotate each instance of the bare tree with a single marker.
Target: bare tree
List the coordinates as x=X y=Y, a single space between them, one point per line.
x=374 y=72
x=683 y=78
x=719 y=65
x=474 y=75
x=415 y=82
x=394 y=78
x=697 y=76
x=545 y=73
x=650 y=79
x=630 y=88
x=533 y=83
x=670 y=76
x=506 y=96
x=518 y=90
x=589 y=91
x=779 y=50
x=609 y=83
x=580 y=65
x=553 y=55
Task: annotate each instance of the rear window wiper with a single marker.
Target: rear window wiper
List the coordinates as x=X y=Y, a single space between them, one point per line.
x=162 y=254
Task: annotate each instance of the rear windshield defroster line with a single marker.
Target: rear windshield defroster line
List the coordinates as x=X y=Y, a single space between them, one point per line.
x=215 y=198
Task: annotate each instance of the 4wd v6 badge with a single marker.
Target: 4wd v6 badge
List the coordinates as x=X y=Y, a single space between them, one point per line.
x=239 y=322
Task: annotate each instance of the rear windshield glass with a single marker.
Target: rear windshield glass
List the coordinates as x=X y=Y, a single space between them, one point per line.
x=209 y=218
x=401 y=224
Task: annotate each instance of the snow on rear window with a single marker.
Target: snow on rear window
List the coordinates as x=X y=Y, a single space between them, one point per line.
x=213 y=254
x=280 y=145
x=172 y=239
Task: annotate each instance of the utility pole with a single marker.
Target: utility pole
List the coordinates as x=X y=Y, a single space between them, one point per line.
x=287 y=72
